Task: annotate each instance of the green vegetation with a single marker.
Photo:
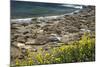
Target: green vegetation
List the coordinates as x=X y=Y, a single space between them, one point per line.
x=79 y=51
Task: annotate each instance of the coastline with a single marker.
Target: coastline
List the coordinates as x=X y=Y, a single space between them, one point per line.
x=28 y=20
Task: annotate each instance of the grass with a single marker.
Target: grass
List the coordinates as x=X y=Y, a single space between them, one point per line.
x=79 y=51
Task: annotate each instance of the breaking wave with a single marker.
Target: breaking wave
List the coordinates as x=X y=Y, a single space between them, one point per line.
x=74 y=6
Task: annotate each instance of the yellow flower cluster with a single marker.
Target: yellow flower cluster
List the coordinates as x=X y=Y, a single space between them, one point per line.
x=80 y=51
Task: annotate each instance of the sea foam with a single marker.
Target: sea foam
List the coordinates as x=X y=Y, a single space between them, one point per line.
x=74 y=6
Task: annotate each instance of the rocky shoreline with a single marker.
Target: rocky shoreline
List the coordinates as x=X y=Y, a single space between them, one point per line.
x=42 y=32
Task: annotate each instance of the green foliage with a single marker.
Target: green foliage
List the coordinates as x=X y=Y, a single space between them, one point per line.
x=79 y=51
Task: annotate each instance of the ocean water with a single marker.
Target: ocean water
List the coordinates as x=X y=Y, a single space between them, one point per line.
x=22 y=9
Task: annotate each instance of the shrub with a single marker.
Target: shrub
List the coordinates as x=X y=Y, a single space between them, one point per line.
x=79 y=51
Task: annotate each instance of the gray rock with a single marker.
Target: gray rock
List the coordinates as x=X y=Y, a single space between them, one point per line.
x=21 y=39
x=23 y=30
x=31 y=42
x=15 y=52
x=69 y=38
x=41 y=39
x=54 y=38
x=85 y=30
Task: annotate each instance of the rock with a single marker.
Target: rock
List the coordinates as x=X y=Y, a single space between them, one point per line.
x=16 y=35
x=21 y=39
x=71 y=29
x=30 y=42
x=39 y=31
x=28 y=47
x=41 y=24
x=15 y=25
x=24 y=24
x=14 y=43
x=85 y=30
x=23 y=30
x=54 y=38
x=27 y=36
x=20 y=45
x=15 y=52
x=69 y=38
x=41 y=39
